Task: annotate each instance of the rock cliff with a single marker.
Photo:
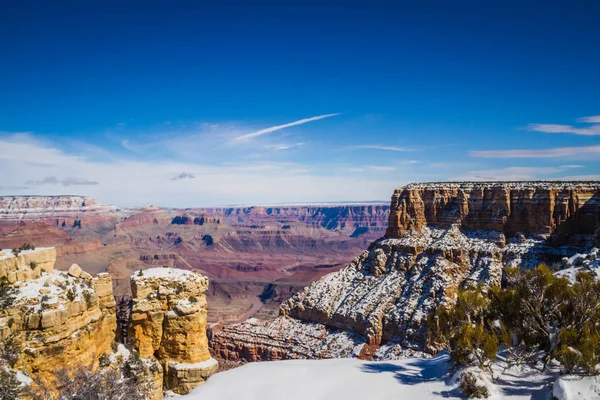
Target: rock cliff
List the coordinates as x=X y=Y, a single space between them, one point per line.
x=510 y=207
x=54 y=319
x=168 y=322
x=440 y=237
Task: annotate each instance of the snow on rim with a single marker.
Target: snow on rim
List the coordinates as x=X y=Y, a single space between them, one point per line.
x=162 y=272
x=353 y=379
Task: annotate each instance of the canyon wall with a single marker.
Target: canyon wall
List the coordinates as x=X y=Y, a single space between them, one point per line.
x=51 y=207
x=440 y=237
x=512 y=207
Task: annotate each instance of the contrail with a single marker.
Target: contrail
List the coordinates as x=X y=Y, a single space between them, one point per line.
x=279 y=127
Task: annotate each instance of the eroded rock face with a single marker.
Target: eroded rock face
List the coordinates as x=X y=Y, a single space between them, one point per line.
x=282 y=339
x=56 y=320
x=508 y=207
x=440 y=237
x=168 y=322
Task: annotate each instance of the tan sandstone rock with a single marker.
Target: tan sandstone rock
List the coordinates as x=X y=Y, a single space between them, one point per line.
x=58 y=321
x=169 y=321
x=75 y=271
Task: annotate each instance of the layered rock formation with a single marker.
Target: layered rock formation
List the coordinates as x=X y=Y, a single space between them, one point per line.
x=168 y=322
x=329 y=216
x=441 y=237
x=51 y=207
x=512 y=207
x=55 y=319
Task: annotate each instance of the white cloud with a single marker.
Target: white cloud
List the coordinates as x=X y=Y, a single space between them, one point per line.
x=571 y=166
x=280 y=127
x=556 y=128
x=380 y=168
x=128 y=182
x=378 y=147
x=593 y=119
x=284 y=146
x=591 y=130
x=72 y=181
x=540 y=153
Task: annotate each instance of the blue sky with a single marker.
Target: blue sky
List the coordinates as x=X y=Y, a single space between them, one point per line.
x=185 y=103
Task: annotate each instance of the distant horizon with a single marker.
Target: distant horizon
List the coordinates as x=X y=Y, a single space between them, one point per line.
x=310 y=203
x=287 y=102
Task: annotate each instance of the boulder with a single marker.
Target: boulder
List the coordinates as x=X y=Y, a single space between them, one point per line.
x=75 y=271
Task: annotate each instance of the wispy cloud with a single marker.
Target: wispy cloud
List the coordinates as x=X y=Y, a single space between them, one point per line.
x=183 y=175
x=280 y=127
x=571 y=166
x=593 y=119
x=78 y=182
x=129 y=181
x=52 y=180
x=540 y=153
x=378 y=147
x=591 y=130
x=284 y=146
x=49 y=180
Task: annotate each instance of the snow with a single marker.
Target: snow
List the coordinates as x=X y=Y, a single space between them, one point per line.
x=512 y=185
x=162 y=272
x=121 y=353
x=576 y=387
x=186 y=366
x=57 y=284
x=7 y=253
x=352 y=379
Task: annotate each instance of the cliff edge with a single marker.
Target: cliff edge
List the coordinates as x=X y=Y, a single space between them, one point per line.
x=441 y=236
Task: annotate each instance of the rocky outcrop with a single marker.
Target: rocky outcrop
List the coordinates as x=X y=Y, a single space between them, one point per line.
x=55 y=319
x=168 y=322
x=507 y=207
x=285 y=338
x=441 y=237
x=27 y=264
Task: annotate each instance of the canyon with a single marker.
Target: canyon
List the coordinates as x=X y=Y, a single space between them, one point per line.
x=256 y=257
x=441 y=236
x=280 y=286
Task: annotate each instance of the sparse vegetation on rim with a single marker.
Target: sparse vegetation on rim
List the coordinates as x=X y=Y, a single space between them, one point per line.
x=538 y=313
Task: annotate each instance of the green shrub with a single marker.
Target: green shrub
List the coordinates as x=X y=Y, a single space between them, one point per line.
x=469 y=386
x=534 y=311
x=8 y=294
x=89 y=299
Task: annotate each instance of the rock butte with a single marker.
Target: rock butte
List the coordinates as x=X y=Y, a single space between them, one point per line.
x=441 y=236
x=67 y=320
x=168 y=321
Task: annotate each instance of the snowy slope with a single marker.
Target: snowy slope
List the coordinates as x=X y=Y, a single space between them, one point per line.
x=352 y=379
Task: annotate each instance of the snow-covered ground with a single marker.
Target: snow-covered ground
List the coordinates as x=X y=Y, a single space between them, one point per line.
x=353 y=379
